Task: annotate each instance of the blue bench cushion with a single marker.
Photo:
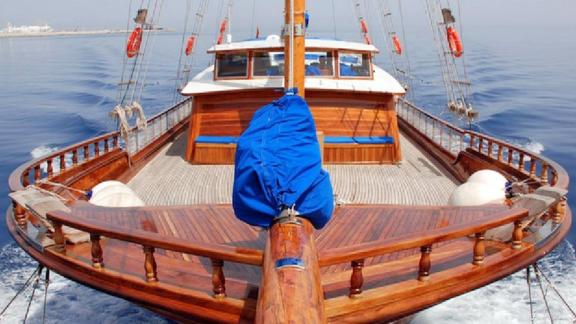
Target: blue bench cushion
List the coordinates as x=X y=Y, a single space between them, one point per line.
x=217 y=139
x=358 y=140
x=374 y=140
x=339 y=140
x=327 y=139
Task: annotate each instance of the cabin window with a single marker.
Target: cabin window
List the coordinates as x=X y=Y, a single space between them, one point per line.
x=353 y=65
x=268 y=64
x=232 y=65
x=319 y=64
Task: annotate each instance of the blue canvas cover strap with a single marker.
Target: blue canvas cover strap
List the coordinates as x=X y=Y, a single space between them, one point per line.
x=278 y=165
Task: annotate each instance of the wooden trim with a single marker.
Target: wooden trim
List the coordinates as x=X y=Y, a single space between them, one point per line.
x=413 y=240
x=214 y=251
x=395 y=301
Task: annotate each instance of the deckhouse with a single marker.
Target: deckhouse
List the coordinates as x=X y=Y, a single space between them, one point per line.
x=352 y=99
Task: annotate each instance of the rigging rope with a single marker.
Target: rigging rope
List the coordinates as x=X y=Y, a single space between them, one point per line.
x=551 y=285
x=178 y=70
x=26 y=284
x=334 y=19
x=36 y=283
x=46 y=284
x=543 y=294
x=529 y=282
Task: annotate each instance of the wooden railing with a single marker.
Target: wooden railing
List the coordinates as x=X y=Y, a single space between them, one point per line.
x=357 y=254
x=454 y=140
x=150 y=241
x=158 y=125
x=67 y=159
x=63 y=160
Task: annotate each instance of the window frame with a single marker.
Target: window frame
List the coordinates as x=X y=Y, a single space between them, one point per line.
x=370 y=66
x=248 y=65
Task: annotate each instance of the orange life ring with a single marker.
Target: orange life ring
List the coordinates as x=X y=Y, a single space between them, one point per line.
x=363 y=26
x=454 y=42
x=134 y=42
x=397 y=45
x=190 y=45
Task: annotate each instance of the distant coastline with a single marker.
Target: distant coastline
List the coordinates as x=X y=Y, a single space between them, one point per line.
x=68 y=33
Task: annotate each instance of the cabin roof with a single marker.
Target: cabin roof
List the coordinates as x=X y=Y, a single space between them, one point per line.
x=274 y=41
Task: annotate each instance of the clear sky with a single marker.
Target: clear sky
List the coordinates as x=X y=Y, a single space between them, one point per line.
x=112 y=14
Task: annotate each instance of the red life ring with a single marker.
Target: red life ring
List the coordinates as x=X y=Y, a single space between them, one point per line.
x=367 y=39
x=397 y=45
x=190 y=45
x=220 y=39
x=223 y=26
x=134 y=42
x=454 y=42
x=363 y=26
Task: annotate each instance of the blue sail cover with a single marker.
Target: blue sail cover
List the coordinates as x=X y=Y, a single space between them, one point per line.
x=278 y=165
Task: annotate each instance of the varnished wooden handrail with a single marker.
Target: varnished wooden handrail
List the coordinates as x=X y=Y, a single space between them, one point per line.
x=155 y=240
x=18 y=178
x=15 y=181
x=485 y=146
x=418 y=240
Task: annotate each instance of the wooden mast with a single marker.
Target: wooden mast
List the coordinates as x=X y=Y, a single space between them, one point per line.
x=291 y=290
x=299 y=46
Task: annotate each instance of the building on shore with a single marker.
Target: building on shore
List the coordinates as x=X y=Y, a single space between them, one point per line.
x=26 y=29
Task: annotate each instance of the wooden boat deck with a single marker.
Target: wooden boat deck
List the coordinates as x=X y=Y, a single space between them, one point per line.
x=418 y=180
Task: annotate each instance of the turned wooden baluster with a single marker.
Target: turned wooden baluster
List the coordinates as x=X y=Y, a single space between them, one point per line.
x=86 y=153
x=500 y=152
x=521 y=165
x=19 y=215
x=26 y=178
x=218 y=279
x=150 y=264
x=510 y=156
x=532 y=167
x=62 y=162
x=37 y=173
x=75 y=157
x=472 y=137
x=424 y=266
x=59 y=240
x=115 y=141
x=450 y=134
x=96 y=148
x=544 y=174
x=554 y=179
x=106 y=145
x=356 y=279
x=490 y=148
x=97 y=259
x=479 y=249
x=480 y=144
x=517 y=235
x=559 y=211
x=49 y=168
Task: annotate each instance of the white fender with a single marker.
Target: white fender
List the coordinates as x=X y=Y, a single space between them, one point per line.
x=489 y=177
x=475 y=194
x=106 y=184
x=115 y=194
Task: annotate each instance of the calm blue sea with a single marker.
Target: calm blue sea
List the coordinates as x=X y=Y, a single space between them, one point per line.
x=55 y=91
